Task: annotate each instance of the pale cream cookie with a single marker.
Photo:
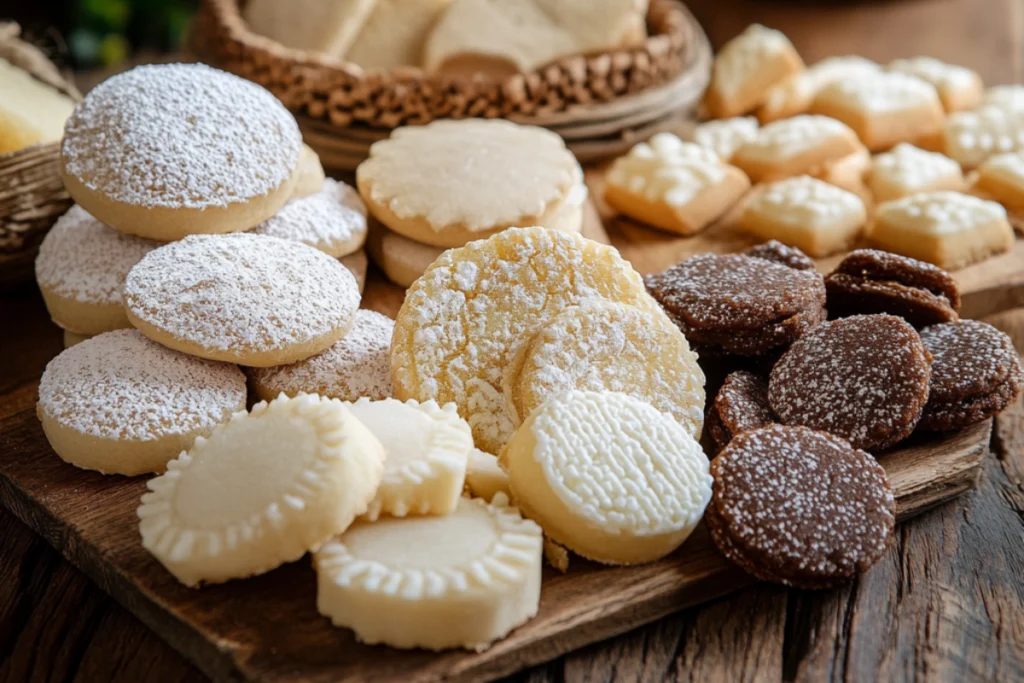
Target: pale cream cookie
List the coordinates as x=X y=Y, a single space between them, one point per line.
x=725 y=136
x=357 y=365
x=333 y=220
x=674 y=186
x=81 y=269
x=795 y=94
x=357 y=264
x=1001 y=178
x=310 y=173
x=804 y=212
x=906 y=170
x=262 y=490
x=458 y=581
x=73 y=338
x=484 y=478
x=973 y=136
x=1004 y=97
x=450 y=182
x=395 y=34
x=168 y=150
x=795 y=146
x=884 y=108
x=242 y=298
x=608 y=476
x=746 y=68
x=959 y=88
x=315 y=25
x=401 y=259
x=122 y=404
x=605 y=346
x=847 y=172
x=949 y=229
x=465 y=319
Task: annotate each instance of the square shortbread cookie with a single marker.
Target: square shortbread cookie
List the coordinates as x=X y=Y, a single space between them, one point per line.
x=1004 y=97
x=1001 y=178
x=973 y=136
x=848 y=172
x=949 y=229
x=907 y=169
x=959 y=88
x=725 y=136
x=794 y=95
x=673 y=185
x=884 y=108
x=804 y=212
x=746 y=67
x=794 y=146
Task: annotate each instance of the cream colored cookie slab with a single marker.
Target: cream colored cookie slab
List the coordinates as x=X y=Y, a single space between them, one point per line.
x=426 y=448
x=1001 y=177
x=327 y=27
x=973 y=136
x=73 y=338
x=402 y=259
x=907 y=169
x=608 y=476
x=233 y=506
x=725 y=136
x=333 y=220
x=807 y=213
x=484 y=478
x=1004 y=97
x=959 y=88
x=884 y=109
x=396 y=33
x=848 y=173
x=310 y=174
x=672 y=185
x=795 y=146
x=794 y=95
x=603 y=346
x=746 y=68
x=949 y=229
x=462 y=580
x=122 y=404
x=357 y=264
x=31 y=112
x=465 y=319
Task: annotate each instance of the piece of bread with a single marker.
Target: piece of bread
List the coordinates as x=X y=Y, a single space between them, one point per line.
x=395 y=33
x=746 y=68
x=802 y=144
x=316 y=25
x=31 y=112
x=959 y=88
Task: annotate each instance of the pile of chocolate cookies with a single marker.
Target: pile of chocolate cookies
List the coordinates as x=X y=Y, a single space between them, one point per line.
x=809 y=375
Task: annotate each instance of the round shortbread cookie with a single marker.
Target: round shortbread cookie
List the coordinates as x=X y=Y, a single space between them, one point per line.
x=168 y=150
x=248 y=299
x=465 y=319
x=233 y=507
x=605 y=346
x=357 y=264
x=122 y=404
x=460 y=580
x=310 y=173
x=401 y=259
x=450 y=182
x=81 y=268
x=608 y=476
x=356 y=366
x=333 y=220
x=73 y=338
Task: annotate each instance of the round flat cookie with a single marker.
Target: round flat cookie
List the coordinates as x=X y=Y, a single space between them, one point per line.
x=253 y=300
x=740 y=406
x=774 y=250
x=465 y=319
x=401 y=259
x=333 y=220
x=310 y=173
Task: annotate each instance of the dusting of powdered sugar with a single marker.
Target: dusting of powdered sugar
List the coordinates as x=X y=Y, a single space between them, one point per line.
x=241 y=292
x=332 y=220
x=180 y=135
x=84 y=260
x=121 y=385
x=969 y=357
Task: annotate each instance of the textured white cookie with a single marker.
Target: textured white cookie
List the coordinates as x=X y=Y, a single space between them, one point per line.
x=333 y=220
x=973 y=136
x=795 y=146
x=262 y=490
x=958 y=87
x=328 y=27
x=794 y=94
x=310 y=173
x=484 y=478
x=396 y=33
x=907 y=169
x=725 y=136
x=608 y=476
x=458 y=581
x=747 y=67
x=1004 y=97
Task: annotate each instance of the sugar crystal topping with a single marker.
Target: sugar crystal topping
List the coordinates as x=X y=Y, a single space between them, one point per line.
x=973 y=136
x=911 y=168
x=804 y=201
x=938 y=73
x=788 y=138
x=939 y=213
x=725 y=136
x=741 y=57
x=881 y=92
x=969 y=357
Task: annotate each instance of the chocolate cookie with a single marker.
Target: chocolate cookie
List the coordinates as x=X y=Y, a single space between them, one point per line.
x=774 y=250
x=864 y=378
x=976 y=373
x=871 y=281
x=737 y=304
x=799 y=506
x=740 y=405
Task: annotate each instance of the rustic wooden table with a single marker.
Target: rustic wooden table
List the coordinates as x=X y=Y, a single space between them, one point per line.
x=947 y=603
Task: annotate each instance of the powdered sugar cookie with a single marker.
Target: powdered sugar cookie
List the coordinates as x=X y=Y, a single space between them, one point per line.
x=310 y=173
x=333 y=220
x=249 y=299
x=81 y=268
x=233 y=507
x=958 y=87
x=357 y=264
x=122 y=404
x=747 y=67
x=491 y=296
x=795 y=146
x=907 y=170
x=357 y=366
x=169 y=150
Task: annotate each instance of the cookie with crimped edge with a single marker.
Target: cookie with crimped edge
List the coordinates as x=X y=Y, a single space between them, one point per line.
x=332 y=220
x=673 y=185
x=949 y=229
x=724 y=136
x=972 y=136
x=462 y=580
x=233 y=506
x=1001 y=178
x=242 y=298
x=450 y=182
x=484 y=478
x=740 y=405
x=871 y=281
x=976 y=373
x=122 y=404
x=795 y=146
x=746 y=68
x=906 y=170
x=606 y=346
x=774 y=250
x=864 y=378
x=959 y=88
x=310 y=173
x=794 y=95
x=490 y=297
x=203 y=151
x=81 y=269
x=608 y=476
x=426 y=447
x=358 y=365
x=357 y=264
x=884 y=109
x=800 y=507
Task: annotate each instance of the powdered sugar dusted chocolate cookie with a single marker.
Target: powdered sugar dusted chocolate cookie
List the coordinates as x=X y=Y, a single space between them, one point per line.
x=864 y=378
x=774 y=250
x=741 y=405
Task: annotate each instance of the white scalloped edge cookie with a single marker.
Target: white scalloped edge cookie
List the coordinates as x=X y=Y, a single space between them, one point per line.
x=459 y=581
x=746 y=68
x=262 y=490
x=426 y=447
